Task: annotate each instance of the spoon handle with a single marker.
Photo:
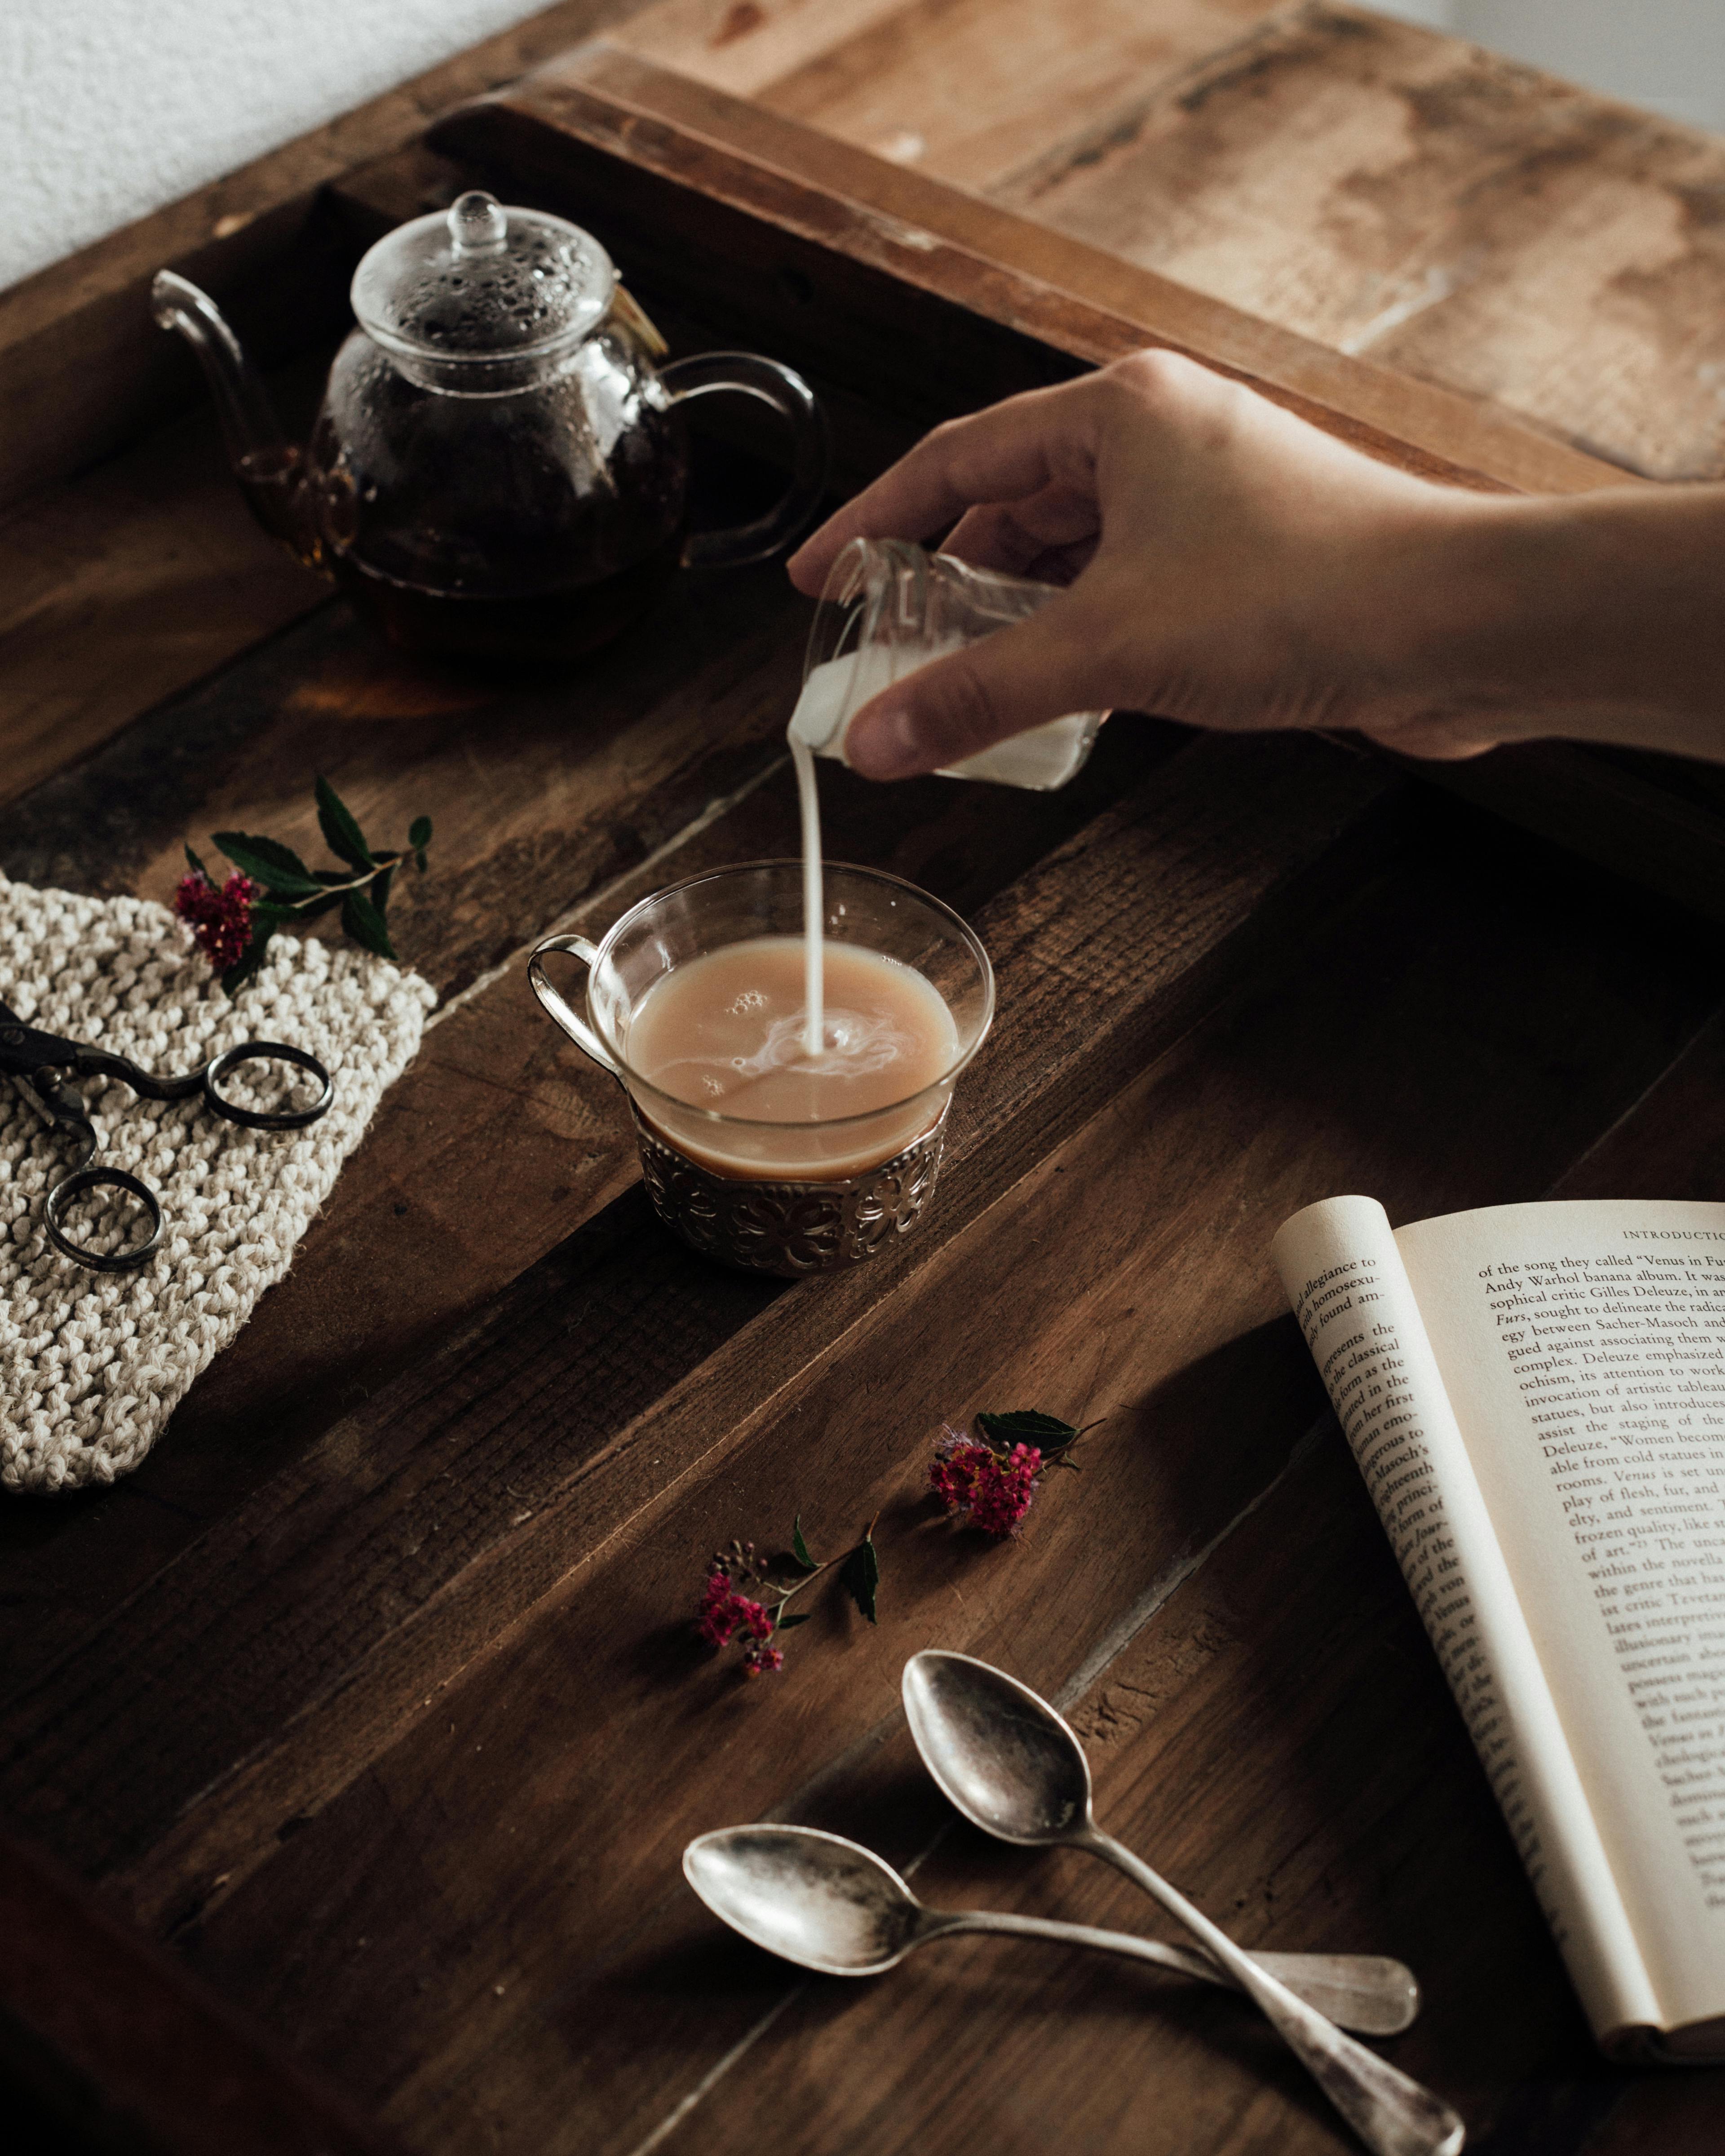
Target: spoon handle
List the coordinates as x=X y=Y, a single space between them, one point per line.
x=1294 y=1970
x=1372 y=1994
x=1391 y=2113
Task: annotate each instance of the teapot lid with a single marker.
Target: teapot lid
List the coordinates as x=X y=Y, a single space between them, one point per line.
x=480 y=281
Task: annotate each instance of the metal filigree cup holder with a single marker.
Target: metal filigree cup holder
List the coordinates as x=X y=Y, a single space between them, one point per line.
x=791 y=1227
x=822 y=1222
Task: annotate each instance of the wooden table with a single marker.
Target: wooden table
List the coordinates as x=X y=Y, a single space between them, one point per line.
x=371 y=1703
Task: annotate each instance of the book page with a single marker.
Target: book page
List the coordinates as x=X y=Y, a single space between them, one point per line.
x=1583 y=1348
x=1353 y=1298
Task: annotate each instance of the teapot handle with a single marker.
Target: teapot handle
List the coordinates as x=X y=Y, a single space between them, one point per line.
x=790 y=396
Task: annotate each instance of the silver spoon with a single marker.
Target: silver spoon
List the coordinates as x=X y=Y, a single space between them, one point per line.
x=1015 y=1768
x=1009 y=1763
x=833 y=1905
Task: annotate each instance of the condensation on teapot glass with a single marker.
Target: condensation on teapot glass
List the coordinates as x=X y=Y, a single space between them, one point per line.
x=470 y=298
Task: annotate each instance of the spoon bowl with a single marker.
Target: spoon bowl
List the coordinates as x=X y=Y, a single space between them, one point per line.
x=812 y=1898
x=1000 y=1755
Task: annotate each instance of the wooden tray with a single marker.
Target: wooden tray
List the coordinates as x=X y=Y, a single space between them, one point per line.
x=371 y=1699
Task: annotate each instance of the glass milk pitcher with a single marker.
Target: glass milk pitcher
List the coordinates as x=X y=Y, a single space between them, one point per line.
x=888 y=608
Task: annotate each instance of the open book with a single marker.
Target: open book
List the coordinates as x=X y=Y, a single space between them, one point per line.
x=1536 y=1397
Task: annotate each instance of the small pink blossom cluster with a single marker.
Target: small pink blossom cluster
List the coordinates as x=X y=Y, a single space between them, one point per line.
x=220 y=919
x=724 y=1612
x=989 y=1489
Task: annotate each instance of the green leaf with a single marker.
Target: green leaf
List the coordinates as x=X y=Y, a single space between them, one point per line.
x=267 y=862
x=335 y=819
x=800 y=1548
x=859 y=1576
x=1026 y=1426
x=197 y=864
x=365 y=924
x=241 y=970
x=420 y=861
x=419 y=835
x=380 y=890
x=796 y=1617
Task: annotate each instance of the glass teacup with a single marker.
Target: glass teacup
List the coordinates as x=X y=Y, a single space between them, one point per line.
x=779 y=1197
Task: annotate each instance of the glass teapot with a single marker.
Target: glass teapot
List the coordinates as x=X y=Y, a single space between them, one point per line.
x=498 y=469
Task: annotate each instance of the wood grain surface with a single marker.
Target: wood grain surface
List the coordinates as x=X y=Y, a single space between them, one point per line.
x=515 y=1824
x=1365 y=183
x=371 y=1703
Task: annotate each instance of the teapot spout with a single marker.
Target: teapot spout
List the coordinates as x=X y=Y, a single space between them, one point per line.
x=270 y=469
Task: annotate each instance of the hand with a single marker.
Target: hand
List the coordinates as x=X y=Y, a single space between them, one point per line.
x=1229 y=566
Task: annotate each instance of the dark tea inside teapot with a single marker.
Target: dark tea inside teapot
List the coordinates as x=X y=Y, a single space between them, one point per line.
x=499 y=469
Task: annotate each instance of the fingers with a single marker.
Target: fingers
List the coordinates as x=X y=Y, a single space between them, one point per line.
x=1015 y=678
x=1013 y=536
x=1038 y=441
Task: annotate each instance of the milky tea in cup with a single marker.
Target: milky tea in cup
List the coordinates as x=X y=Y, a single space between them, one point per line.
x=727 y=1031
x=755 y=1147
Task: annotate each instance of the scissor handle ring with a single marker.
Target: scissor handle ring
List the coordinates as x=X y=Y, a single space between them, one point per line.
x=261 y=1119
x=101 y=1178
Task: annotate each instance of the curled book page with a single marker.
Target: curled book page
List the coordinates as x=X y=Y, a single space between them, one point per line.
x=1584 y=1354
x=1351 y=1295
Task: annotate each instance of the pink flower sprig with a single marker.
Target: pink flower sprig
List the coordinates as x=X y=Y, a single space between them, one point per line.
x=743 y=1596
x=232 y=922
x=219 y=916
x=989 y=1481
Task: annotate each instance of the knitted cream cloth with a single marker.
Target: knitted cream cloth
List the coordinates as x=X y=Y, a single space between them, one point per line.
x=92 y=1364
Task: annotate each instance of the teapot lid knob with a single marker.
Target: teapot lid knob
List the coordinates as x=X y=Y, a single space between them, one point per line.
x=478 y=224
x=482 y=283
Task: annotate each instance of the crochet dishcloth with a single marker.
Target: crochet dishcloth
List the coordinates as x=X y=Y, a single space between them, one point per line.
x=92 y=1364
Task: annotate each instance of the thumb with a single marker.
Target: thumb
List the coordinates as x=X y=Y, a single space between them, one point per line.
x=1003 y=685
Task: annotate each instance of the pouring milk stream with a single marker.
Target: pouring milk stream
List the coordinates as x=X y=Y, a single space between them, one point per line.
x=1041 y=759
x=730 y=1030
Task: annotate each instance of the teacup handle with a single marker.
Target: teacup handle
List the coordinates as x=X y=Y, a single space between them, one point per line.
x=794 y=401
x=578 y=1029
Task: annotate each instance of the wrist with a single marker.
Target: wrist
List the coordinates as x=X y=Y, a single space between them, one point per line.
x=1598 y=617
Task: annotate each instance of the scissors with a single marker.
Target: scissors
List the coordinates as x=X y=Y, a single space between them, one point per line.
x=45 y=1066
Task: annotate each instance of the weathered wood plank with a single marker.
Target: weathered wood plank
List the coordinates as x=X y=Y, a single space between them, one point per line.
x=1455 y=214
x=1278 y=1741
x=1362 y=182
x=406 y=1512
x=109 y=2032
x=540 y=792
x=123 y=587
x=967 y=90
x=492 y=1940
x=1666 y=1145
x=849 y=237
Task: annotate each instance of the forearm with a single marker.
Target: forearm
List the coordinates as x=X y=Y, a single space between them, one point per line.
x=1599 y=616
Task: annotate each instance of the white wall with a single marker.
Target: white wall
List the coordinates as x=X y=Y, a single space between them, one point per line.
x=110 y=108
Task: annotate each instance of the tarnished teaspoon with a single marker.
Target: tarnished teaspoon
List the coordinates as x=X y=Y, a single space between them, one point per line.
x=1015 y=1768
x=831 y=1905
